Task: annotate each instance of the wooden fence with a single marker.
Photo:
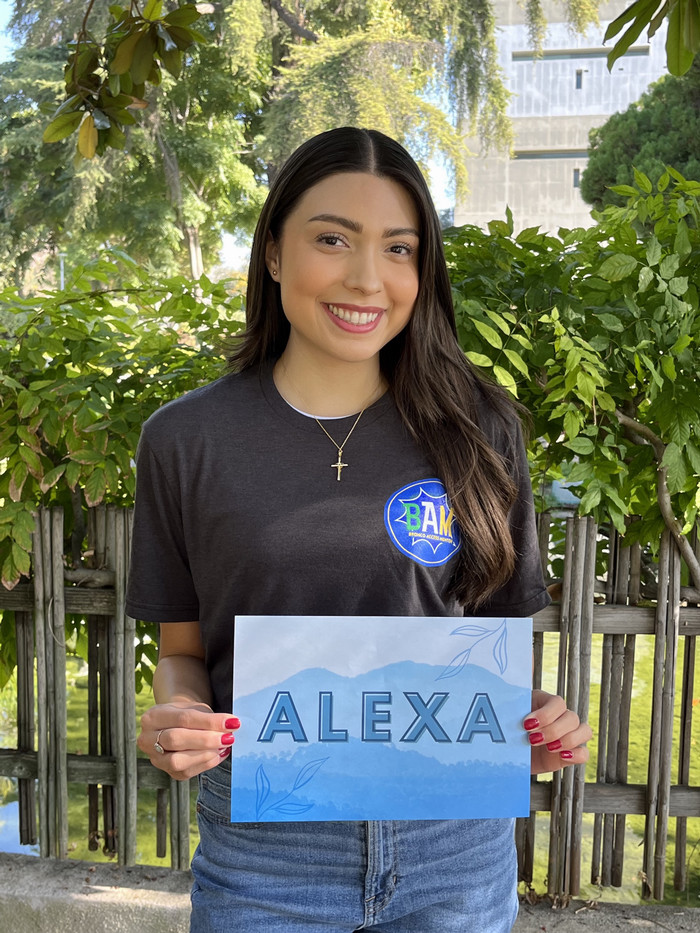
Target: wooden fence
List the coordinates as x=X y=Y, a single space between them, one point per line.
x=606 y=592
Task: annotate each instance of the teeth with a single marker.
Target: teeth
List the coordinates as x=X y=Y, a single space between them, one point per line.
x=353 y=317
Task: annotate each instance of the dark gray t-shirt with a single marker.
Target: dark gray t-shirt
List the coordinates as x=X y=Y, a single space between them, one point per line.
x=238 y=511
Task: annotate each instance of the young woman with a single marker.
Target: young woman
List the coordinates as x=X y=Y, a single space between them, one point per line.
x=266 y=493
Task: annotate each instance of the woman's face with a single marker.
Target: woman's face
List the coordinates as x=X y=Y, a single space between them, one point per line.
x=347 y=267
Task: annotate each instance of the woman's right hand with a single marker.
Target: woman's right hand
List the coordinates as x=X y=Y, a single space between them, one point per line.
x=192 y=736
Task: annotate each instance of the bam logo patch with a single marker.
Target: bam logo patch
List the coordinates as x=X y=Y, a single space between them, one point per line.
x=420 y=522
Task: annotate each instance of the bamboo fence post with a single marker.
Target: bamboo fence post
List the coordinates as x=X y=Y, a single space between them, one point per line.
x=680 y=879
x=601 y=767
x=24 y=639
x=655 y=731
x=93 y=624
x=129 y=663
x=588 y=541
x=58 y=616
x=684 y=747
x=667 y=704
x=40 y=606
x=623 y=754
x=555 y=843
x=162 y=796
x=525 y=828
x=106 y=674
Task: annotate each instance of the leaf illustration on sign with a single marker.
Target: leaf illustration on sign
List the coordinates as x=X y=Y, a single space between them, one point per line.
x=476 y=634
x=284 y=806
x=262 y=788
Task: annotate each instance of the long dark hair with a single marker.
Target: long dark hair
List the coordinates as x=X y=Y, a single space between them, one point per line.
x=436 y=391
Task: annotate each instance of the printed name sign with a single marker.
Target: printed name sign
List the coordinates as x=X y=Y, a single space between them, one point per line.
x=376 y=718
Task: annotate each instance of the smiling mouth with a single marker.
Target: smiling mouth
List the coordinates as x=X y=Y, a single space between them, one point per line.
x=353 y=317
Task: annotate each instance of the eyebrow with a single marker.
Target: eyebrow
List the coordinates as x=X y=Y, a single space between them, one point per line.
x=357 y=227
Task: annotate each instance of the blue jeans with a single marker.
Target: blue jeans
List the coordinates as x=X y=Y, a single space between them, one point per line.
x=394 y=877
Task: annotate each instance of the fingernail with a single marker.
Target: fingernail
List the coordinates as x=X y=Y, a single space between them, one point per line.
x=536 y=738
x=567 y=756
x=232 y=723
x=224 y=752
x=531 y=724
x=227 y=739
x=554 y=746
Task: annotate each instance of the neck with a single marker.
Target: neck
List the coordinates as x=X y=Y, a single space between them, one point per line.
x=328 y=391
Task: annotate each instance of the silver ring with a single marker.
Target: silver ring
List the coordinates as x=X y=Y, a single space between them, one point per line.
x=158 y=747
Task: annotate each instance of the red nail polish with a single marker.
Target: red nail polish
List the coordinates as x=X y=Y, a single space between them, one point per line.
x=567 y=756
x=232 y=723
x=224 y=752
x=554 y=746
x=536 y=738
x=531 y=723
x=227 y=739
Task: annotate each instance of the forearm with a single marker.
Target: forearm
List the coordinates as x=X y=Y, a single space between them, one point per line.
x=181 y=679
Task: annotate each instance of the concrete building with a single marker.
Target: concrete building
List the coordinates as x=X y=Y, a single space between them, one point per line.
x=557 y=99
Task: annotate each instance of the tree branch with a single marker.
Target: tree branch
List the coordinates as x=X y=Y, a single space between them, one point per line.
x=288 y=17
x=663 y=496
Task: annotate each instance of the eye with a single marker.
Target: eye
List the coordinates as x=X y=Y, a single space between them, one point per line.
x=331 y=239
x=402 y=249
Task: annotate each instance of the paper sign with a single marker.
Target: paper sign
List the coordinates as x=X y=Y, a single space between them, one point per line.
x=376 y=718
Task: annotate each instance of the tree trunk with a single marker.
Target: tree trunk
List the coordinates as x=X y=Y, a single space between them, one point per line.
x=194 y=248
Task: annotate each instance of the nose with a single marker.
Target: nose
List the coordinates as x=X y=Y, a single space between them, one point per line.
x=362 y=273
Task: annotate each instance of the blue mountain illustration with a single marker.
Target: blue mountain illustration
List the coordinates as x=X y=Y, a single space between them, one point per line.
x=426 y=779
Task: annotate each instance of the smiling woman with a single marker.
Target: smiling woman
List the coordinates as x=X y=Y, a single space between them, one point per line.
x=347 y=266
x=350 y=350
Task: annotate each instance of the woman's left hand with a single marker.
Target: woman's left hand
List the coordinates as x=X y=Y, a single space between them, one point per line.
x=556 y=734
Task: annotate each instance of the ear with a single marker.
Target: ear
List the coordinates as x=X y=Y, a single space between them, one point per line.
x=272 y=256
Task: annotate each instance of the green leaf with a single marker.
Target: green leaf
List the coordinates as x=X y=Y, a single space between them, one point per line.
x=617 y=267
x=669 y=266
x=124 y=54
x=642 y=181
x=626 y=191
x=27 y=403
x=679 y=58
x=62 y=126
x=153 y=9
x=653 y=251
x=681 y=244
x=490 y=335
x=21 y=559
x=10 y=575
x=669 y=367
x=184 y=16
x=18 y=478
x=87 y=455
x=646 y=277
x=572 y=424
x=591 y=498
x=478 y=359
x=95 y=487
x=143 y=58
x=693 y=455
x=32 y=460
x=73 y=471
x=675 y=464
x=581 y=445
x=611 y=322
x=52 y=477
x=517 y=361
x=504 y=378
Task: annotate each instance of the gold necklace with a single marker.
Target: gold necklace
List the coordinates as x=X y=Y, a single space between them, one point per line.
x=338 y=465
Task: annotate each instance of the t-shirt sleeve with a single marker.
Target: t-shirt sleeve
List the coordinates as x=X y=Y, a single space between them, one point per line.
x=160 y=586
x=525 y=593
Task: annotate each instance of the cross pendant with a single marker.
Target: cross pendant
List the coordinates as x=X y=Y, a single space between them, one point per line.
x=339 y=465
